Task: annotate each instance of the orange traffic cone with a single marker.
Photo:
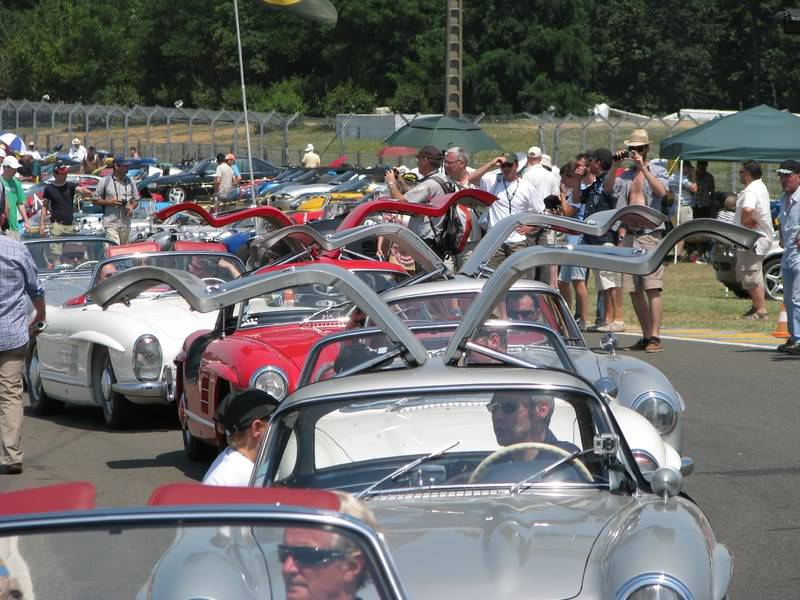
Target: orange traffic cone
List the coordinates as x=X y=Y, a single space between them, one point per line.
x=782 y=329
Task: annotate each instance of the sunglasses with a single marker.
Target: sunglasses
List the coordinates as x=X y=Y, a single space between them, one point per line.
x=523 y=315
x=509 y=407
x=308 y=556
x=506 y=165
x=638 y=149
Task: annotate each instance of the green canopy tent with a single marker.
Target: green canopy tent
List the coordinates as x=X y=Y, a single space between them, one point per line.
x=760 y=133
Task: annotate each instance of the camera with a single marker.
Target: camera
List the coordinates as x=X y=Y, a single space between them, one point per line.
x=620 y=154
x=552 y=202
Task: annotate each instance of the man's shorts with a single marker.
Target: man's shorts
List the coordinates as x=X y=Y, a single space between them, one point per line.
x=687 y=214
x=570 y=273
x=748 y=269
x=605 y=280
x=641 y=283
x=56 y=230
x=117 y=234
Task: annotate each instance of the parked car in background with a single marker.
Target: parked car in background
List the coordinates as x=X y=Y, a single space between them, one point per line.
x=197 y=184
x=723 y=260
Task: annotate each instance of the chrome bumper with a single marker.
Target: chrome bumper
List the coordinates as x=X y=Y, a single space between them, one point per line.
x=161 y=391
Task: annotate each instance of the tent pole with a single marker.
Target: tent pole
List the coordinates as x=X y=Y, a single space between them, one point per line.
x=680 y=197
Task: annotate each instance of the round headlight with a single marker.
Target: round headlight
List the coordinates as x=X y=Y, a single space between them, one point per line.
x=654 y=586
x=657 y=408
x=147 y=359
x=271 y=380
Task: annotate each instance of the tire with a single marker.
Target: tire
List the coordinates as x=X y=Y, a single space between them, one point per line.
x=773 y=281
x=194 y=448
x=177 y=195
x=117 y=410
x=41 y=403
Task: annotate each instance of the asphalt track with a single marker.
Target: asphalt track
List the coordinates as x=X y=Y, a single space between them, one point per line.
x=741 y=429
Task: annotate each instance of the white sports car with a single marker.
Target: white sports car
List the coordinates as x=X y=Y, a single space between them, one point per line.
x=121 y=357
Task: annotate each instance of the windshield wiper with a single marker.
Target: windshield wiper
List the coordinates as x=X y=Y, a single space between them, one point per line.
x=549 y=469
x=407 y=467
x=325 y=309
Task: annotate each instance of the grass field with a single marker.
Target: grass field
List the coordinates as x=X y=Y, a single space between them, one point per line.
x=693 y=298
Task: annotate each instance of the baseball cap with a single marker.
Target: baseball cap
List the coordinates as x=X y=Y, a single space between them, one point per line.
x=230 y=156
x=309 y=148
x=511 y=157
x=239 y=409
x=547 y=161
x=534 y=152
x=10 y=161
x=76 y=141
x=61 y=168
x=788 y=167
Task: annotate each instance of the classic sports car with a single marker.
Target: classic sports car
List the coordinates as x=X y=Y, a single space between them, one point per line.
x=488 y=443
x=123 y=357
x=190 y=541
x=263 y=341
x=197 y=184
x=637 y=384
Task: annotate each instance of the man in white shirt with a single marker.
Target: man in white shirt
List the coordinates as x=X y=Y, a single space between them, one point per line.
x=77 y=152
x=535 y=174
x=311 y=159
x=752 y=211
x=514 y=195
x=33 y=152
x=243 y=415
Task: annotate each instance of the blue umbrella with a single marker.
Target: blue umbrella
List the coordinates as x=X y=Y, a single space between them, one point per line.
x=13 y=141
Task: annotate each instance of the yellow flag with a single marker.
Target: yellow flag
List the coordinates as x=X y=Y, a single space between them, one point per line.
x=316 y=10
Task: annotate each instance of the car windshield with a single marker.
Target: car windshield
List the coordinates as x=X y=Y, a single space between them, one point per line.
x=465 y=435
x=184 y=557
x=211 y=267
x=309 y=302
x=65 y=254
x=527 y=306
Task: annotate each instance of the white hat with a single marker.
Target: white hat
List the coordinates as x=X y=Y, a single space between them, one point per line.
x=546 y=161
x=10 y=161
x=76 y=141
x=534 y=152
x=309 y=148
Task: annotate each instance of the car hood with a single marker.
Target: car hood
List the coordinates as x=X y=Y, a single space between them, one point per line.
x=169 y=318
x=493 y=545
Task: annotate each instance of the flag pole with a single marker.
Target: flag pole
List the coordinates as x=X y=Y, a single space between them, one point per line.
x=244 y=104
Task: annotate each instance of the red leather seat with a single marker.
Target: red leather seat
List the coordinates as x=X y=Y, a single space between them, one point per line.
x=185 y=494
x=138 y=248
x=77 y=495
x=188 y=246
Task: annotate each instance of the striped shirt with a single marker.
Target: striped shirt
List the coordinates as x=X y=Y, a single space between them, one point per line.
x=18 y=278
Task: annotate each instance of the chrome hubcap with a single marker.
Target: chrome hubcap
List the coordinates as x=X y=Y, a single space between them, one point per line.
x=105 y=386
x=35 y=378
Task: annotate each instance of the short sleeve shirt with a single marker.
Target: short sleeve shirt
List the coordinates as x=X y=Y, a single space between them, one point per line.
x=756 y=197
x=595 y=199
x=15 y=196
x=60 y=199
x=110 y=187
x=225 y=175
x=513 y=198
x=230 y=468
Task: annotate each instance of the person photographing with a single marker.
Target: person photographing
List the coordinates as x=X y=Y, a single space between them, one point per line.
x=119 y=197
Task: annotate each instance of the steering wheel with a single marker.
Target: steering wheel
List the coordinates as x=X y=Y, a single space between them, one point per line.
x=85 y=266
x=501 y=453
x=326 y=291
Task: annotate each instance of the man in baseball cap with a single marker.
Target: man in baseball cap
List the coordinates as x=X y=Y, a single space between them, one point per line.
x=15 y=197
x=789 y=172
x=243 y=416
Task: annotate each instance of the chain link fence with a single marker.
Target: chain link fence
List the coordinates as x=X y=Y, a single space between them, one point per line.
x=175 y=134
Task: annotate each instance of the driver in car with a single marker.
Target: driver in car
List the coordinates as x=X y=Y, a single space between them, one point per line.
x=73 y=254
x=519 y=417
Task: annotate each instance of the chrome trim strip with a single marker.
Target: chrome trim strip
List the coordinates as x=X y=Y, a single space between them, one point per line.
x=146 y=389
x=198 y=419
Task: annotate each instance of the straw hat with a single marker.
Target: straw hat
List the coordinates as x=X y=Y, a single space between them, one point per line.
x=638 y=137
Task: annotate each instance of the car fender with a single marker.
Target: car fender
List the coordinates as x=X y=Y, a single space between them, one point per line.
x=641 y=435
x=658 y=537
x=634 y=376
x=236 y=359
x=97 y=338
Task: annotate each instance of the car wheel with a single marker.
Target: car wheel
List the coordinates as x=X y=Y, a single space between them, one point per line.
x=177 y=195
x=41 y=403
x=773 y=281
x=195 y=449
x=117 y=410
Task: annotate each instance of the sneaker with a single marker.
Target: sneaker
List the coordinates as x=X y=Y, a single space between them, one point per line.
x=654 y=345
x=756 y=316
x=14 y=469
x=613 y=327
x=581 y=325
x=752 y=311
x=640 y=345
x=794 y=349
x=784 y=346
x=596 y=326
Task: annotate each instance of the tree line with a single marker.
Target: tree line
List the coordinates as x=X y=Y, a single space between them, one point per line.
x=641 y=55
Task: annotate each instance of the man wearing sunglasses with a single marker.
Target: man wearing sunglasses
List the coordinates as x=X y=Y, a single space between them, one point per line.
x=642 y=183
x=319 y=564
x=243 y=417
x=519 y=417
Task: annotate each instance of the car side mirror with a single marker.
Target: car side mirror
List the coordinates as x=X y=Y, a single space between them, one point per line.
x=666 y=482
